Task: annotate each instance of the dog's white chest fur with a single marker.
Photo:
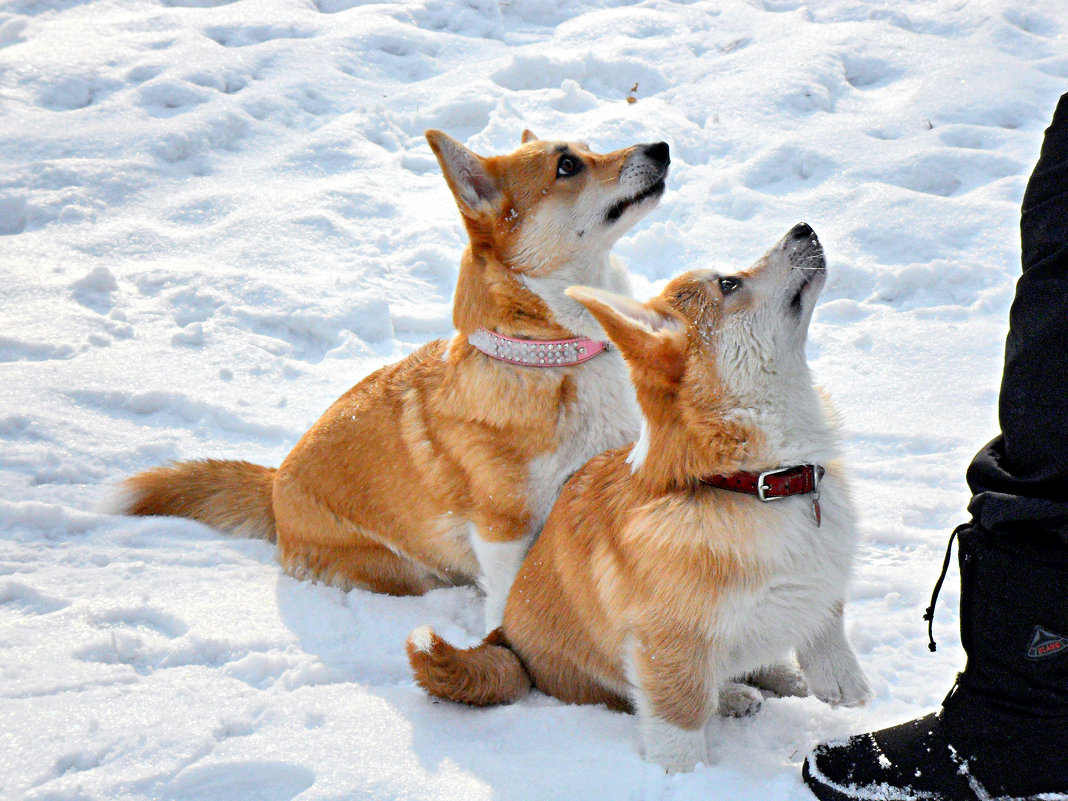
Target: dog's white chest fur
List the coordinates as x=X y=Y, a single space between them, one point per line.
x=604 y=416
x=605 y=413
x=805 y=568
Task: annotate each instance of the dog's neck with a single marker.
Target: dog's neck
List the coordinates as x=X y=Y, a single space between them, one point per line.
x=490 y=295
x=601 y=270
x=779 y=399
x=796 y=426
x=779 y=419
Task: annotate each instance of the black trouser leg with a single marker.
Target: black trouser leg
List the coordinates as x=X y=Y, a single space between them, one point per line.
x=1014 y=566
x=1003 y=730
x=1019 y=480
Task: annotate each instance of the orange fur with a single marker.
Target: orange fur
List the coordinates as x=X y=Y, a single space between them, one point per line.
x=231 y=496
x=607 y=553
x=447 y=672
x=636 y=591
x=382 y=491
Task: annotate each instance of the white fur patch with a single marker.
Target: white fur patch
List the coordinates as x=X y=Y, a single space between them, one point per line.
x=499 y=562
x=422 y=639
x=675 y=749
x=117 y=500
x=636 y=457
x=599 y=270
x=603 y=416
x=831 y=667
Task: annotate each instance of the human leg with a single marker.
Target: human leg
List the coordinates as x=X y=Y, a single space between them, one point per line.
x=1003 y=729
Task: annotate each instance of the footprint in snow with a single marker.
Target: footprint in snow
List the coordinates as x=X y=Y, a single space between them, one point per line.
x=227 y=83
x=17 y=350
x=1034 y=24
x=971 y=137
x=1058 y=68
x=248 y=35
x=784 y=168
x=143 y=72
x=262 y=781
x=865 y=72
x=11 y=31
x=337 y=6
x=143 y=618
x=197 y=3
x=601 y=76
x=23 y=598
x=13 y=214
x=167 y=98
x=70 y=93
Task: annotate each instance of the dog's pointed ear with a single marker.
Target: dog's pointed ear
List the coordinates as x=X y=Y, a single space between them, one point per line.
x=475 y=190
x=529 y=136
x=648 y=338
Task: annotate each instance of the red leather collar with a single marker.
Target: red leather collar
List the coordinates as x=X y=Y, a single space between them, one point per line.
x=772 y=485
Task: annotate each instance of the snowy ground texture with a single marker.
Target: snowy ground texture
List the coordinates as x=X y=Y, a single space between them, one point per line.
x=217 y=216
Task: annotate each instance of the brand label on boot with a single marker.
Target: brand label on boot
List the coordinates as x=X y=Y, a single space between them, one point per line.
x=1045 y=643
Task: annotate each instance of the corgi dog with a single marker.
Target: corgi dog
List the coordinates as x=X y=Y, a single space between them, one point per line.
x=442 y=468
x=658 y=577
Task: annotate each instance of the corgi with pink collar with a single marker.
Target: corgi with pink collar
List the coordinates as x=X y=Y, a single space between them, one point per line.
x=442 y=468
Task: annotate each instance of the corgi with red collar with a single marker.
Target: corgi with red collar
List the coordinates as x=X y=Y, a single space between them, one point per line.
x=442 y=468
x=718 y=544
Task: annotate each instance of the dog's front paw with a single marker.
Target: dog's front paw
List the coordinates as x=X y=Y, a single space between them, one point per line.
x=676 y=761
x=854 y=690
x=673 y=748
x=848 y=688
x=739 y=700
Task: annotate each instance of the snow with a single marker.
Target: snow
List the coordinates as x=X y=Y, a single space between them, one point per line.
x=217 y=216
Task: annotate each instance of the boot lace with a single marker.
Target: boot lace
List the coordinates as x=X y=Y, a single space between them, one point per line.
x=929 y=614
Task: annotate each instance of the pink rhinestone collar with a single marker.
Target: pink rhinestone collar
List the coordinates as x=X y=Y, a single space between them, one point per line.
x=536 y=352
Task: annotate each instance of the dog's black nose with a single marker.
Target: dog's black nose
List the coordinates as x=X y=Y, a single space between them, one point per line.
x=659 y=152
x=801 y=231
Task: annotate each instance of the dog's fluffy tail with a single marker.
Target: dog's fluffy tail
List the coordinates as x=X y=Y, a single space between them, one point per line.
x=231 y=496
x=490 y=673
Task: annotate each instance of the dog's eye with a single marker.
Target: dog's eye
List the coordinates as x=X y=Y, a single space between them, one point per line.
x=728 y=285
x=567 y=166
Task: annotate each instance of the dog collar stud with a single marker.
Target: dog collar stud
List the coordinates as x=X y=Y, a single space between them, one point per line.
x=536 y=352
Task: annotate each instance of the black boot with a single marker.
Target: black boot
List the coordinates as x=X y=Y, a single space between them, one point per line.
x=1002 y=732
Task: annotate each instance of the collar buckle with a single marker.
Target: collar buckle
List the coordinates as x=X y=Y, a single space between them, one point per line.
x=763 y=488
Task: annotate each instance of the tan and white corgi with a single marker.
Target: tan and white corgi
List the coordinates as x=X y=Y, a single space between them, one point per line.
x=657 y=578
x=442 y=468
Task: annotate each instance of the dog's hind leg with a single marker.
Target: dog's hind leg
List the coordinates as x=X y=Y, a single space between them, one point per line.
x=738 y=700
x=782 y=679
x=318 y=540
x=364 y=563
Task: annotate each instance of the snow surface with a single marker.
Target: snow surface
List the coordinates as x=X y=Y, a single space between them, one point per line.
x=217 y=216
